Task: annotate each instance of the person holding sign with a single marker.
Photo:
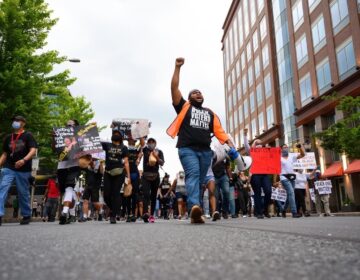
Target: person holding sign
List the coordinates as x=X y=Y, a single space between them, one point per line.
x=194 y=126
x=18 y=150
x=288 y=177
x=320 y=197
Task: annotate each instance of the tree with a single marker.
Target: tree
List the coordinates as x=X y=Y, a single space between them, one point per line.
x=344 y=135
x=28 y=85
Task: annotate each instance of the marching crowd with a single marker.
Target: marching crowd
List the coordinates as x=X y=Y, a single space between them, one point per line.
x=113 y=188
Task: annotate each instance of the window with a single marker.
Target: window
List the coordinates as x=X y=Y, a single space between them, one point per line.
x=313 y=4
x=345 y=58
x=260 y=6
x=231 y=41
x=246 y=108
x=237 y=68
x=241 y=34
x=267 y=85
x=234 y=97
x=233 y=76
x=298 y=15
x=339 y=15
x=240 y=114
x=323 y=75
x=318 y=34
x=257 y=67
x=236 y=41
x=261 y=123
x=269 y=116
x=250 y=75
x=229 y=103
x=248 y=51
x=305 y=89
x=229 y=82
x=243 y=62
x=301 y=51
x=231 y=124
x=246 y=17
x=263 y=30
x=259 y=97
x=255 y=41
x=265 y=56
x=244 y=84
x=252 y=12
x=252 y=102
x=238 y=88
x=236 y=121
x=253 y=128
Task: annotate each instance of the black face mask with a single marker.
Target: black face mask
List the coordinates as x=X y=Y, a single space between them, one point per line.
x=196 y=103
x=116 y=138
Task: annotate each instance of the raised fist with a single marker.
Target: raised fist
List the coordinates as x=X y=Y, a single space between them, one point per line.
x=179 y=61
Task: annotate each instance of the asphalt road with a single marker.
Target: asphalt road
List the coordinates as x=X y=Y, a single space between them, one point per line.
x=306 y=248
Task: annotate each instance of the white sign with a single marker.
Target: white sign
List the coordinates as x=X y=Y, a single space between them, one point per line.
x=34 y=166
x=312 y=195
x=134 y=128
x=307 y=162
x=278 y=194
x=323 y=187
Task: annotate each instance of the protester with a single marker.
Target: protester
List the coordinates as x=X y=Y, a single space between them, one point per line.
x=51 y=196
x=164 y=196
x=300 y=192
x=222 y=173
x=153 y=159
x=18 y=150
x=243 y=194
x=320 y=198
x=194 y=126
x=180 y=191
x=209 y=183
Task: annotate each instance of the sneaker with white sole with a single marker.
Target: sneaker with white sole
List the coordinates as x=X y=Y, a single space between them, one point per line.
x=196 y=215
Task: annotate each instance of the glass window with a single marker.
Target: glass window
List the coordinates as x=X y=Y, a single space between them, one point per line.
x=241 y=32
x=345 y=58
x=233 y=76
x=231 y=124
x=261 y=123
x=252 y=102
x=323 y=74
x=238 y=89
x=255 y=41
x=263 y=30
x=259 y=97
x=298 y=14
x=236 y=41
x=250 y=75
x=240 y=114
x=234 y=97
x=229 y=82
x=253 y=128
x=244 y=84
x=313 y=4
x=267 y=85
x=269 y=116
x=305 y=89
x=236 y=123
x=339 y=14
x=252 y=12
x=265 y=56
x=237 y=68
x=246 y=17
x=260 y=5
x=246 y=108
x=301 y=51
x=229 y=102
x=243 y=60
x=231 y=49
x=257 y=67
x=318 y=33
x=248 y=51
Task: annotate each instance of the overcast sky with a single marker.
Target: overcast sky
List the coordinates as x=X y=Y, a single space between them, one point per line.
x=127 y=50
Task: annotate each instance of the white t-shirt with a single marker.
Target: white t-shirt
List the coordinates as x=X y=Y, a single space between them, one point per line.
x=301 y=180
x=287 y=165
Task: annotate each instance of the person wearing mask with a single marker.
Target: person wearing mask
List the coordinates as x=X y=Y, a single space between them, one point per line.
x=243 y=195
x=288 y=177
x=178 y=186
x=51 y=197
x=164 y=196
x=300 y=192
x=18 y=149
x=320 y=198
x=194 y=126
x=222 y=173
x=153 y=159
x=116 y=167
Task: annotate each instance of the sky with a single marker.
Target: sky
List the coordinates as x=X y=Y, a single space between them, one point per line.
x=128 y=49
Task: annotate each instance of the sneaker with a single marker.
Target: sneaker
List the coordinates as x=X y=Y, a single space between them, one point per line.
x=283 y=214
x=146 y=218
x=207 y=216
x=225 y=216
x=260 y=216
x=82 y=220
x=100 y=218
x=307 y=214
x=267 y=215
x=25 y=221
x=152 y=219
x=244 y=216
x=128 y=219
x=215 y=216
x=133 y=219
x=196 y=215
x=234 y=216
x=296 y=215
x=112 y=220
x=179 y=217
x=63 y=219
x=72 y=219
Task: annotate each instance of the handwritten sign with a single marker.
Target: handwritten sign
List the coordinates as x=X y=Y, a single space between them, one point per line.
x=312 y=194
x=307 y=162
x=279 y=194
x=265 y=160
x=88 y=140
x=133 y=128
x=65 y=142
x=323 y=187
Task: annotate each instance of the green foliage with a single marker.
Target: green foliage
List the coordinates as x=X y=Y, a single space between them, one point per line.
x=344 y=135
x=28 y=85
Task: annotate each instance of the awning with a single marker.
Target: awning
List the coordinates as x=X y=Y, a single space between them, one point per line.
x=353 y=167
x=334 y=170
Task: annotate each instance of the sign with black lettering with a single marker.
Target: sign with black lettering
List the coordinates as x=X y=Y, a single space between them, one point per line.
x=323 y=187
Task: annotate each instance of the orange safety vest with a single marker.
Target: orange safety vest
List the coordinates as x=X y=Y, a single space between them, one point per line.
x=174 y=128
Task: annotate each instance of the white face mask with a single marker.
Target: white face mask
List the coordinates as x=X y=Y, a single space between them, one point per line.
x=16 y=125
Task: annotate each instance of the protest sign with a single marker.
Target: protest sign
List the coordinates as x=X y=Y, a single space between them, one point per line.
x=312 y=195
x=65 y=142
x=132 y=128
x=88 y=140
x=307 y=162
x=265 y=160
x=323 y=187
x=278 y=194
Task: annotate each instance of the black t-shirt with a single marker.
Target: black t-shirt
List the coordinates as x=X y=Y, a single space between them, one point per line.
x=22 y=147
x=133 y=156
x=114 y=155
x=146 y=166
x=164 y=188
x=196 y=128
x=220 y=168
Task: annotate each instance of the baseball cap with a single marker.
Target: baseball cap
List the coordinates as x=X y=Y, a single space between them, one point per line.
x=19 y=118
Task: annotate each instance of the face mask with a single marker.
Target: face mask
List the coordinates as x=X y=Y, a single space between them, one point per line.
x=285 y=152
x=196 y=103
x=16 y=125
x=116 y=138
x=151 y=146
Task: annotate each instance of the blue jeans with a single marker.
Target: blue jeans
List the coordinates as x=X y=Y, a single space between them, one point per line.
x=23 y=189
x=232 y=200
x=261 y=182
x=223 y=188
x=289 y=186
x=196 y=165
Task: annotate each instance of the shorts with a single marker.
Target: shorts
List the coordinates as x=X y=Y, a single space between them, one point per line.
x=208 y=179
x=67 y=177
x=93 y=193
x=180 y=195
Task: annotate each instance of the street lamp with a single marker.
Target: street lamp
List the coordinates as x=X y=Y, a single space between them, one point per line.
x=74 y=60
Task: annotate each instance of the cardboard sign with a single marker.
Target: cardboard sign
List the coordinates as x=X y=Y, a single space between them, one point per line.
x=307 y=162
x=88 y=140
x=133 y=128
x=265 y=160
x=65 y=142
x=323 y=187
x=279 y=194
x=312 y=194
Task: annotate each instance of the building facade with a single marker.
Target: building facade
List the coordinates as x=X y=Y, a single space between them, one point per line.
x=280 y=58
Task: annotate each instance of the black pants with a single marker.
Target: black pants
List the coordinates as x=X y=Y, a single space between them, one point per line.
x=149 y=189
x=164 y=206
x=261 y=182
x=112 y=197
x=300 y=200
x=51 y=208
x=131 y=201
x=67 y=177
x=243 y=199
